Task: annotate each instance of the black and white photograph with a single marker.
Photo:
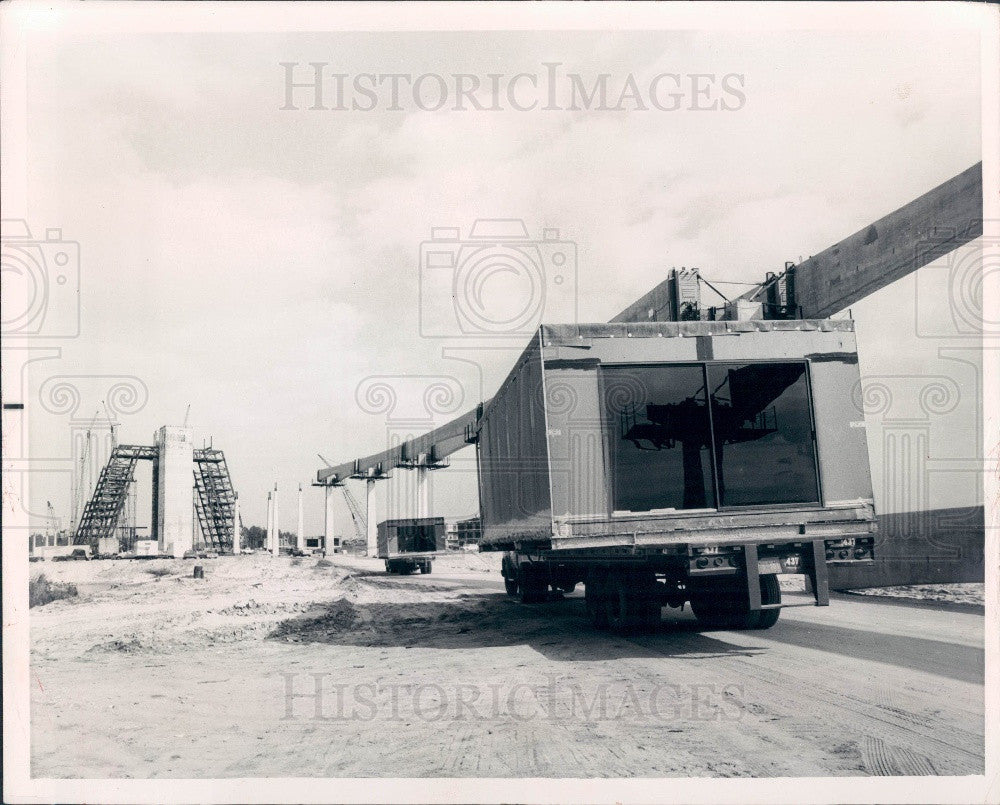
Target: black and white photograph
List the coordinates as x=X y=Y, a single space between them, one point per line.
x=506 y=402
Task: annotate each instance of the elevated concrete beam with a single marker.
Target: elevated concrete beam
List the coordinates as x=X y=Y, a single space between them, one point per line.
x=438 y=443
x=895 y=245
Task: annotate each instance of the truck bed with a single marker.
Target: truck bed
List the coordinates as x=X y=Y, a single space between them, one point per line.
x=652 y=529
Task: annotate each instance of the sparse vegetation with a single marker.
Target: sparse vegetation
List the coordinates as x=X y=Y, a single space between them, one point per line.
x=159 y=571
x=41 y=591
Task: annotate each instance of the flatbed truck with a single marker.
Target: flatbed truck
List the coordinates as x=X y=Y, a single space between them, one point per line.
x=410 y=544
x=674 y=463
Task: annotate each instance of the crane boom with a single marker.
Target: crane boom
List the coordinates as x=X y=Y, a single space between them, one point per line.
x=357 y=515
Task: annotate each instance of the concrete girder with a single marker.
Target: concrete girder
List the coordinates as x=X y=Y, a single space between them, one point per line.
x=437 y=444
x=895 y=245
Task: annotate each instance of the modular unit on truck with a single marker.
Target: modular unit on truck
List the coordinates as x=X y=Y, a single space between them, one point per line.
x=670 y=462
x=409 y=544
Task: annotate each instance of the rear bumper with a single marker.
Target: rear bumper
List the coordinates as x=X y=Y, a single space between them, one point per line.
x=855 y=519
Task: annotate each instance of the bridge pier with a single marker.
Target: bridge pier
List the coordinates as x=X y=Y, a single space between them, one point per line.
x=269 y=525
x=372 y=535
x=276 y=541
x=300 y=540
x=328 y=527
x=236 y=524
x=423 y=491
x=174 y=490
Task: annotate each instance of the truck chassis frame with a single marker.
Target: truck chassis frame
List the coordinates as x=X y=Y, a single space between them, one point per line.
x=728 y=586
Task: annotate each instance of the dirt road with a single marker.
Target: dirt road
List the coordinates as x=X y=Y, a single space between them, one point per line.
x=310 y=668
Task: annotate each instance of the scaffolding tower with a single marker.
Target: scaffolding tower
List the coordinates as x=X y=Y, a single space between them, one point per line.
x=214 y=499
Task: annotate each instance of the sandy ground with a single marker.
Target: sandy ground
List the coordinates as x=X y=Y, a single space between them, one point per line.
x=968 y=593
x=278 y=667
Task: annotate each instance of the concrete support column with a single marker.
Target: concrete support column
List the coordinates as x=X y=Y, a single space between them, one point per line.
x=236 y=524
x=175 y=490
x=423 y=492
x=276 y=544
x=328 y=519
x=270 y=520
x=372 y=548
x=300 y=539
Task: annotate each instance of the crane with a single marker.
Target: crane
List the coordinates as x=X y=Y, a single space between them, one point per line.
x=358 y=516
x=111 y=425
x=80 y=495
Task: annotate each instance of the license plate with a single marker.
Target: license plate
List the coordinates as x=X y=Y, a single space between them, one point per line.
x=769 y=565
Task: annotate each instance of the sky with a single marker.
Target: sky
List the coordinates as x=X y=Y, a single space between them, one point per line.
x=269 y=267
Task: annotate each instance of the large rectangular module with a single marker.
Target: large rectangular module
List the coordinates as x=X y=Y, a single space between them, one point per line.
x=410 y=535
x=639 y=433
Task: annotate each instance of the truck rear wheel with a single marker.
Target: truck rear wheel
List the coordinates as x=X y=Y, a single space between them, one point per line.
x=594 y=592
x=770 y=593
x=532 y=586
x=631 y=601
x=722 y=603
x=509 y=573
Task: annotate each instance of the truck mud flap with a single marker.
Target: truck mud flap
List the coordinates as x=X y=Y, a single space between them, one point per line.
x=816 y=572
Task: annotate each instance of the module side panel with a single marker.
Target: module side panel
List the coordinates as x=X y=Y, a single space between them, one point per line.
x=841 y=437
x=577 y=457
x=513 y=460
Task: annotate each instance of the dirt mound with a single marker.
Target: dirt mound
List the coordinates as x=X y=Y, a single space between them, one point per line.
x=122 y=646
x=41 y=591
x=338 y=616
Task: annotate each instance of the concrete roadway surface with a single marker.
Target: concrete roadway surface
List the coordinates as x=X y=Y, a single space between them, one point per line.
x=316 y=669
